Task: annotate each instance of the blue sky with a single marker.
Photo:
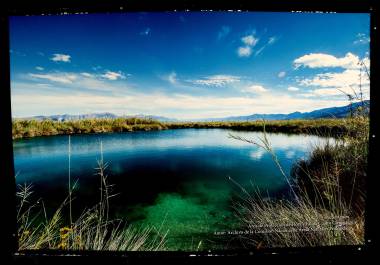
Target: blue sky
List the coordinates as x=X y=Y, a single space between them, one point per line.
x=186 y=65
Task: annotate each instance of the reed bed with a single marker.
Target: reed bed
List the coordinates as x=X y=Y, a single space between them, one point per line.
x=33 y=128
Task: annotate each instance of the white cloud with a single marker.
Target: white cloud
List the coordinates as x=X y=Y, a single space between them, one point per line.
x=87 y=74
x=171 y=78
x=64 y=78
x=321 y=60
x=69 y=77
x=57 y=57
x=281 y=74
x=179 y=106
x=257 y=89
x=351 y=80
x=366 y=63
x=223 y=32
x=145 y=32
x=307 y=95
x=113 y=75
x=292 y=88
x=245 y=51
x=362 y=38
x=249 y=40
x=341 y=91
x=334 y=92
x=341 y=79
x=216 y=80
x=39 y=68
x=77 y=81
x=329 y=91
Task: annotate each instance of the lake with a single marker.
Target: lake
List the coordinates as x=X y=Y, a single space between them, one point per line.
x=183 y=180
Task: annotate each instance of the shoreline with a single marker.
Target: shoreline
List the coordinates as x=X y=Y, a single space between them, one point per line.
x=25 y=129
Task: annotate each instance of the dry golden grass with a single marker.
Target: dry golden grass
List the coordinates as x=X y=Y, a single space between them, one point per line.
x=327 y=196
x=33 y=128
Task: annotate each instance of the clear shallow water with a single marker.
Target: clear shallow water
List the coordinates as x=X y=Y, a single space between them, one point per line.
x=175 y=178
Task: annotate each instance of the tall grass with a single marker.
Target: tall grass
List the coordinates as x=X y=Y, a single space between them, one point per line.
x=69 y=182
x=330 y=126
x=343 y=165
x=326 y=204
x=33 y=128
x=92 y=230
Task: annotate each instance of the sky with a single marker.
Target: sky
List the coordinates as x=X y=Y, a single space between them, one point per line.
x=187 y=65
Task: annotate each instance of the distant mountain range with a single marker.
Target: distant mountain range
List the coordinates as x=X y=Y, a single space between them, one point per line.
x=105 y=115
x=68 y=117
x=334 y=112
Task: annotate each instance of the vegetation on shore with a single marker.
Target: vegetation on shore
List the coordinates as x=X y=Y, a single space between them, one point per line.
x=344 y=163
x=33 y=128
x=327 y=191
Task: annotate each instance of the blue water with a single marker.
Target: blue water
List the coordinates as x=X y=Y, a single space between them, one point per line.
x=185 y=176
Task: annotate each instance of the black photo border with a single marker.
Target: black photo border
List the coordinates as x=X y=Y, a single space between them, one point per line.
x=332 y=254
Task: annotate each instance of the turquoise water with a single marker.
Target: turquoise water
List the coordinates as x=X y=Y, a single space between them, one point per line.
x=184 y=180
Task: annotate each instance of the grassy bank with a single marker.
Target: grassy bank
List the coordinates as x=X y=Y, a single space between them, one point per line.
x=33 y=128
x=341 y=166
x=328 y=196
x=316 y=126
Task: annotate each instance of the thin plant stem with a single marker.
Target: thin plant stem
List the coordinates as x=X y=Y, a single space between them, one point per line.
x=70 y=206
